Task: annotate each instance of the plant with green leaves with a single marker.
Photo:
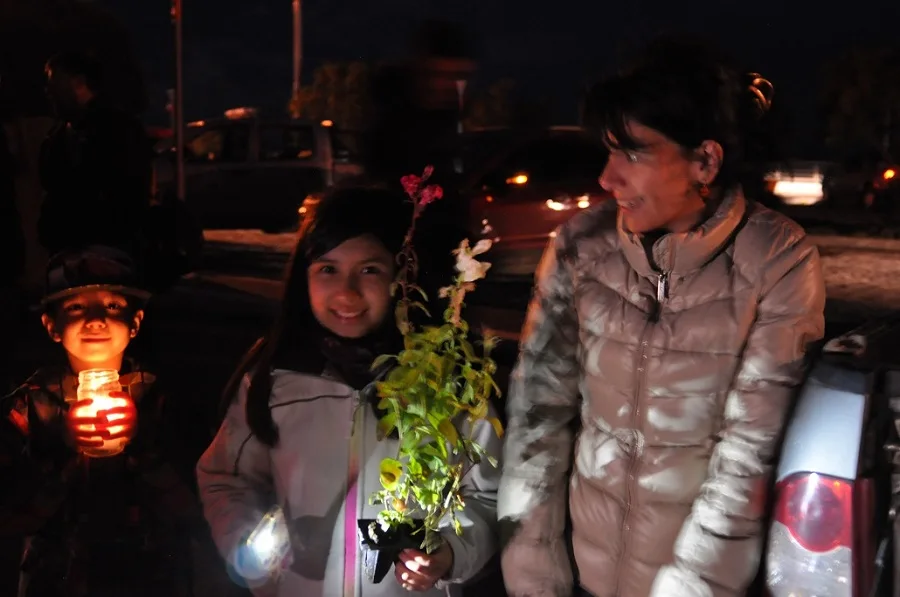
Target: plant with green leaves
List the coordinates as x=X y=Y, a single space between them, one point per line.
x=438 y=390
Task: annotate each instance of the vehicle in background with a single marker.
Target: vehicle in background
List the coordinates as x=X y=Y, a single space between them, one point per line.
x=243 y=171
x=833 y=529
x=521 y=185
x=801 y=183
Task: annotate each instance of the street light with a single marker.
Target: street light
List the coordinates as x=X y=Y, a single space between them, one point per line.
x=460 y=96
x=178 y=103
x=298 y=54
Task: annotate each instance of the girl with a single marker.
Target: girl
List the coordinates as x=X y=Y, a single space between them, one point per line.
x=300 y=432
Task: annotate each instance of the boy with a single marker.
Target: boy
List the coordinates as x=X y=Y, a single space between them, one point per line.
x=95 y=527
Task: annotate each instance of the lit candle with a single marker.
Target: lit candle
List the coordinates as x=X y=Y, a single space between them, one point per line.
x=96 y=385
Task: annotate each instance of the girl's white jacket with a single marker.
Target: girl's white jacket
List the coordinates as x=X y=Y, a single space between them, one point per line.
x=307 y=475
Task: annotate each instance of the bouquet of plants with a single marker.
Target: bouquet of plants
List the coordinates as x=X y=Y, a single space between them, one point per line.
x=437 y=391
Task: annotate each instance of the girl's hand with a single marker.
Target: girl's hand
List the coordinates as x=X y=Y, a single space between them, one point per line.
x=419 y=571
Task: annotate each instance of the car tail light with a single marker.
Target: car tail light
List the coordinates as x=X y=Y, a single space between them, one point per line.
x=810 y=550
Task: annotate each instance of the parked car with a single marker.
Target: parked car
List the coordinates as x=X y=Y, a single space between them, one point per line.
x=243 y=171
x=520 y=187
x=832 y=532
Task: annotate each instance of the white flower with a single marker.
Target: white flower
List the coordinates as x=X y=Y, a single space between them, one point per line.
x=467 y=265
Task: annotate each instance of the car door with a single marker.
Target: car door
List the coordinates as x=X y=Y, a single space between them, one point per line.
x=217 y=164
x=292 y=165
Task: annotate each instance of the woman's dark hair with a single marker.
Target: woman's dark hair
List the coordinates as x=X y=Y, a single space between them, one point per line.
x=293 y=338
x=689 y=92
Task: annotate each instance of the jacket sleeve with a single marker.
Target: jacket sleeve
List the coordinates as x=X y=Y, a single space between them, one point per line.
x=35 y=474
x=474 y=548
x=235 y=482
x=720 y=544
x=543 y=400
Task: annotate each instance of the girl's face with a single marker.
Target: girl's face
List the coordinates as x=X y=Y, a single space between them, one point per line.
x=350 y=287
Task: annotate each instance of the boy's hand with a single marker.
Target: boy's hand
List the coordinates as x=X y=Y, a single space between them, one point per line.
x=419 y=571
x=108 y=424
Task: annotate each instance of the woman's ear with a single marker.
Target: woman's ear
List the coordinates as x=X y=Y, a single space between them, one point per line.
x=707 y=162
x=50 y=326
x=136 y=322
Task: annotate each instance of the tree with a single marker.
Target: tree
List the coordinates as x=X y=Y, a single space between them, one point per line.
x=861 y=103
x=500 y=106
x=493 y=107
x=340 y=92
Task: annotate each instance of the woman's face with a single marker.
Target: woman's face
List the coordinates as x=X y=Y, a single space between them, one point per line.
x=657 y=187
x=350 y=287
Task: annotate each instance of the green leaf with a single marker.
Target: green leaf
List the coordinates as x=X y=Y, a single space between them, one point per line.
x=421 y=307
x=381 y=360
x=468 y=351
x=457 y=526
x=417 y=410
x=389 y=473
x=497 y=425
x=386 y=424
x=448 y=431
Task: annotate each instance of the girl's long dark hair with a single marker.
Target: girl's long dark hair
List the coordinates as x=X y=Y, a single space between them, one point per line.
x=294 y=338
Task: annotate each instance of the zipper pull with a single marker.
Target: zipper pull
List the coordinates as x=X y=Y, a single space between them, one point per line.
x=662 y=288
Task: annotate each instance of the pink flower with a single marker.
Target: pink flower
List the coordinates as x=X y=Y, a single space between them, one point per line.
x=430 y=194
x=426 y=174
x=411 y=184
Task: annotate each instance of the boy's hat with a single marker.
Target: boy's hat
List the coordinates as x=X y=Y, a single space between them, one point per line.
x=95 y=267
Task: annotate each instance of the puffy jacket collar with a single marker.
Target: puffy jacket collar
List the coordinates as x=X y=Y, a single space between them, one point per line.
x=684 y=252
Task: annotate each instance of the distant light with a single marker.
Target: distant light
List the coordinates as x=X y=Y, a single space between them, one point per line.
x=584 y=202
x=327 y=123
x=518 y=179
x=489 y=199
x=555 y=205
x=889 y=173
x=302 y=210
x=795 y=192
x=239 y=113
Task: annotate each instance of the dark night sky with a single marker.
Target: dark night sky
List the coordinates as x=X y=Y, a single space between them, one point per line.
x=238 y=51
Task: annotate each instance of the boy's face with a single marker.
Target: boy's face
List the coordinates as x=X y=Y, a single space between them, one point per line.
x=94 y=327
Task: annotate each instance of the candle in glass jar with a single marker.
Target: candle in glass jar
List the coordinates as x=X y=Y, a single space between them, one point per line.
x=96 y=385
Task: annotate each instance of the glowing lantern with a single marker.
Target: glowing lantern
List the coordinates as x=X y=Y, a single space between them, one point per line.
x=97 y=385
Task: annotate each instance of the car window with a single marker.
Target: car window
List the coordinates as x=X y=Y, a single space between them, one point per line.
x=226 y=143
x=346 y=145
x=549 y=161
x=287 y=142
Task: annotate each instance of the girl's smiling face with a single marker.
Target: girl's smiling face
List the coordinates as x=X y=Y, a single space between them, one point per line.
x=350 y=287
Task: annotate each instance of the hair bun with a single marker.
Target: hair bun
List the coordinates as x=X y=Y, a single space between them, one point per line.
x=762 y=90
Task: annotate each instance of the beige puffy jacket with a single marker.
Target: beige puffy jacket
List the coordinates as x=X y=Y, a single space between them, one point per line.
x=682 y=370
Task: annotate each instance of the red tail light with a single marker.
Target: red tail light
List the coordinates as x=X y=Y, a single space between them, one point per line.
x=817 y=510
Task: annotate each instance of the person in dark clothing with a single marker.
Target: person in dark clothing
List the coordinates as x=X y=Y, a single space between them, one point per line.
x=12 y=239
x=95 y=164
x=96 y=526
x=416 y=115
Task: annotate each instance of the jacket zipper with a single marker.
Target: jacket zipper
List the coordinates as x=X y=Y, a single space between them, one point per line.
x=662 y=294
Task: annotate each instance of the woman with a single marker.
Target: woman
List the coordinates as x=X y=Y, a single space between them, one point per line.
x=677 y=328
